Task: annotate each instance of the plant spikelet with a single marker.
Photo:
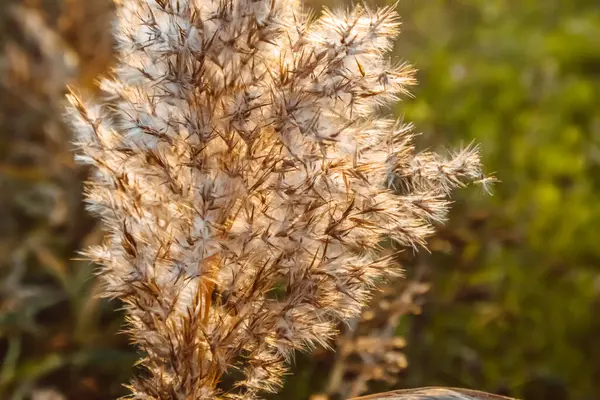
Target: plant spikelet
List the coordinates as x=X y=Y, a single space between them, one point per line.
x=246 y=180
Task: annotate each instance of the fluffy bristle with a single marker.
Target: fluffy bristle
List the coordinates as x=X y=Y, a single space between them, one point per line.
x=246 y=180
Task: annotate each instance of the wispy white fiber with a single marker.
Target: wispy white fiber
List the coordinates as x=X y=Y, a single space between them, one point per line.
x=246 y=179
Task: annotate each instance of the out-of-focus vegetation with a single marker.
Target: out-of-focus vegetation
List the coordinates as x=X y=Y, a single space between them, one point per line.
x=57 y=340
x=514 y=279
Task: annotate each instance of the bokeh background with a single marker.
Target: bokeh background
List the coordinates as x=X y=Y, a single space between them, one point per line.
x=508 y=298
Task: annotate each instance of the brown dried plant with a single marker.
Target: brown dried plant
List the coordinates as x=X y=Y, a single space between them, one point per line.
x=246 y=180
x=369 y=349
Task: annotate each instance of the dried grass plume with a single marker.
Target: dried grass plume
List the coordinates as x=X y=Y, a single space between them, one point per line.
x=246 y=179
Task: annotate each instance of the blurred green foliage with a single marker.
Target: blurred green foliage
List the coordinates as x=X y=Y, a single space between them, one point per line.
x=516 y=278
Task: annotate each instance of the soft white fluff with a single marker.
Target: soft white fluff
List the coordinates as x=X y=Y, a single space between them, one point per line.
x=245 y=181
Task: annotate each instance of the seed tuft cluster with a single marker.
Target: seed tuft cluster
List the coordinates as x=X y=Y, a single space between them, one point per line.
x=246 y=179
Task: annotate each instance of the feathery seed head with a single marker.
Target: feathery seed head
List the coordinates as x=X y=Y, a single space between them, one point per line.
x=245 y=180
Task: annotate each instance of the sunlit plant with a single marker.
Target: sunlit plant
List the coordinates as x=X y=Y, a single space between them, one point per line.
x=245 y=179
